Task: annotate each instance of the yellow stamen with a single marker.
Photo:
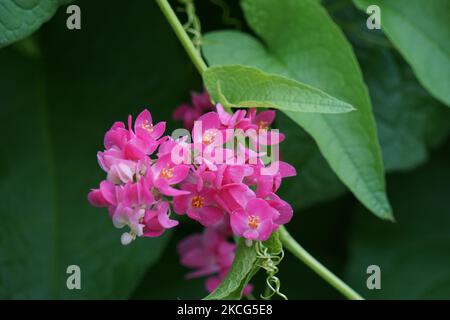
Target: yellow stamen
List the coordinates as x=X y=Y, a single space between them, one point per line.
x=253 y=222
x=166 y=173
x=198 y=202
x=263 y=125
x=208 y=137
x=147 y=126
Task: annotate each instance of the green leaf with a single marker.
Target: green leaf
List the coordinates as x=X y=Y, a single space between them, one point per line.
x=302 y=43
x=409 y=120
x=247 y=87
x=243 y=269
x=240 y=273
x=55 y=111
x=412 y=253
x=421 y=32
x=20 y=18
x=316 y=182
x=273 y=244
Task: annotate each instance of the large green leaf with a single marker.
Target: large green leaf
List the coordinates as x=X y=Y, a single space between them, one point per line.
x=54 y=112
x=246 y=87
x=20 y=18
x=409 y=120
x=421 y=32
x=412 y=253
x=302 y=43
x=316 y=181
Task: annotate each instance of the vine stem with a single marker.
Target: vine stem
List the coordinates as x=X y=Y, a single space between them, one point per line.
x=290 y=243
x=297 y=250
x=177 y=27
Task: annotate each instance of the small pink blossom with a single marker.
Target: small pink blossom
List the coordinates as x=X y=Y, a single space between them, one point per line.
x=209 y=254
x=255 y=221
x=187 y=113
x=156 y=220
x=199 y=205
x=262 y=122
x=206 y=253
x=234 y=196
x=165 y=173
x=104 y=196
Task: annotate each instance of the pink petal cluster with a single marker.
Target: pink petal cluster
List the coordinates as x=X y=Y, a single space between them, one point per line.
x=146 y=178
x=209 y=254
x=239 y=193
x=135 y=186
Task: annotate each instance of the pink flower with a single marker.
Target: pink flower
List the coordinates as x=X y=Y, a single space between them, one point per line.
x=209 y=254
x=144 y=140
x=284 y=209
x=117 y=136
x=144 y=128
x=206 y=253
x=137 y=194
x=119 y=169
x=199 y=205
x=235 y=120
x=104 y=196
x=261 y=122
x=229 y=174
x=201 y=103
x=255 y=221
x=234 y=196
x=207 y=131
x=165 y=174
x=131 y=217
x=179 y=149
x=157 y=220
x=267 y=181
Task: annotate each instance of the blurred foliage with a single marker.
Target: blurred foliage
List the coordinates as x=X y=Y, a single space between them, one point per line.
x=413 y=252
x=55 y=110
x=420 y=33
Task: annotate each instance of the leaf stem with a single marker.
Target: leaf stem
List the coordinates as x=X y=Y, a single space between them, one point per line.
x=177 y=27
x=297 y=250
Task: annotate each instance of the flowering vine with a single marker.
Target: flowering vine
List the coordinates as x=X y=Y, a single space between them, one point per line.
x=218 y=174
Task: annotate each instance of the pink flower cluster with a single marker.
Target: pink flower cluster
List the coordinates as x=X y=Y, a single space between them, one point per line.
x=145 y=180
